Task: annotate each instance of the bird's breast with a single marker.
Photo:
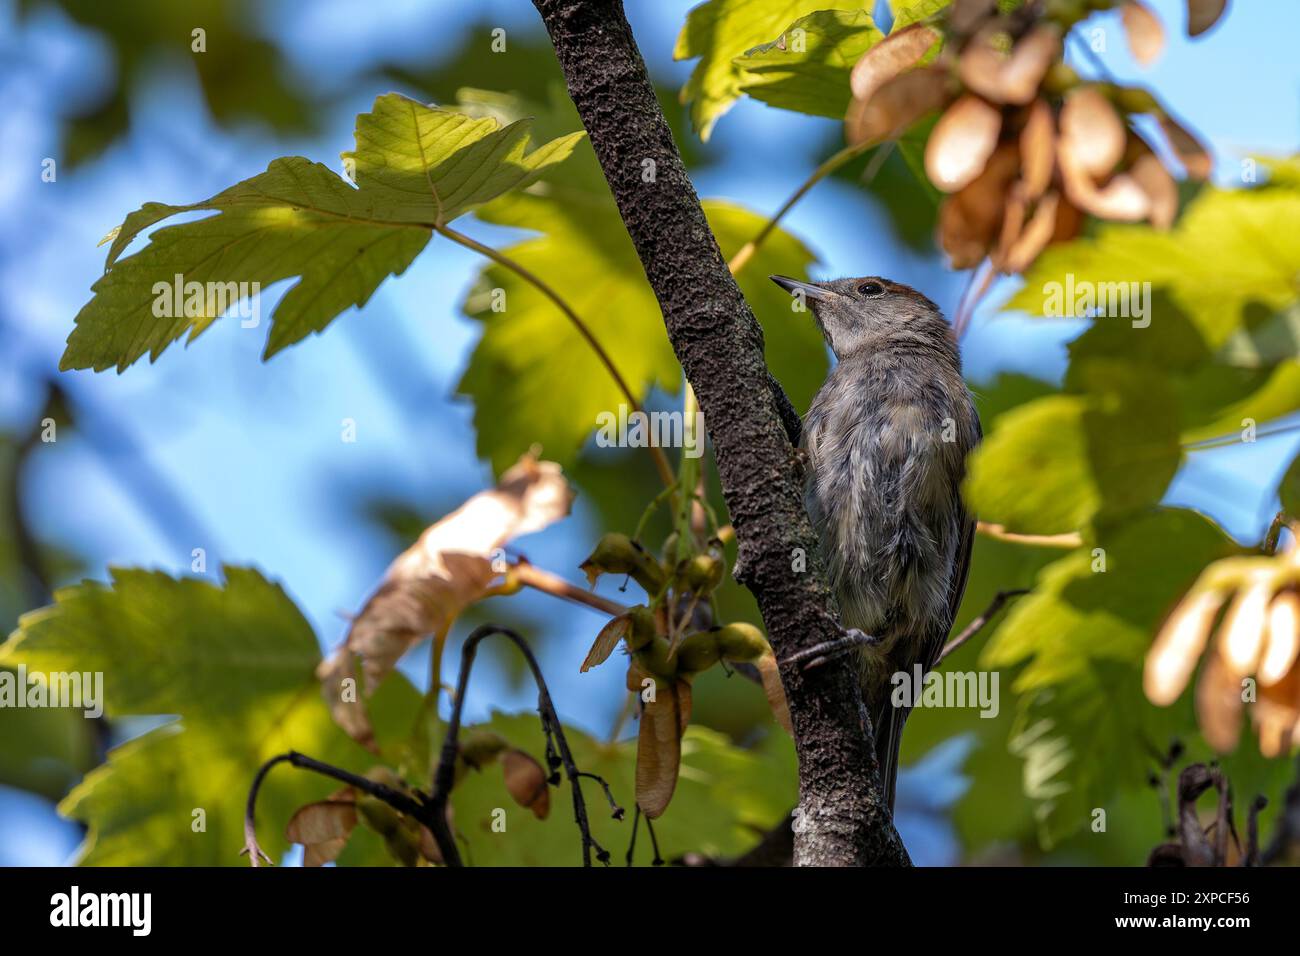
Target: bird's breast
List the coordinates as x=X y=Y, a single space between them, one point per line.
x=885 y=466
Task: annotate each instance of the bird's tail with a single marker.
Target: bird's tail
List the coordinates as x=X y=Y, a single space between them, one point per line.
x=888 y=728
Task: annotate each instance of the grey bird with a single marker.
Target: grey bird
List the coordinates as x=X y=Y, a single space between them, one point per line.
x=886 y=440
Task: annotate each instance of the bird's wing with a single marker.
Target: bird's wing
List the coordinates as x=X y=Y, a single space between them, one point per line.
x=961 y=571
x=888 y=720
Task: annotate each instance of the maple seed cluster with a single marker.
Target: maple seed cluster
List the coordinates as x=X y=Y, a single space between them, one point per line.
x=1255 y=658
x=666 y=651
x=1024 y=148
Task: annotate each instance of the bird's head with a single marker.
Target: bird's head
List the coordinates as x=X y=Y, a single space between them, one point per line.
x=871 y=313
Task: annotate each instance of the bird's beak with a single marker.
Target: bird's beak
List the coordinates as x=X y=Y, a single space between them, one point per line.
x=809 y=289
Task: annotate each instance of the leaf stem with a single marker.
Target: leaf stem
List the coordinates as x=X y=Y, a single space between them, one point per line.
x=845 y=155
x=553 y=584
x=980 y=621
x=661 y=461
x=1067 y=539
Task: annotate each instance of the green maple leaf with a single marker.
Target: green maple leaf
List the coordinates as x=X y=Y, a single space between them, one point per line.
x=1057 y=463
x=719 y=31
x=416 y=169
x=1079 y=642
x=810 y=74
x=1248 y=235
x=907 y=12
x=533 y=377
x=233 y=665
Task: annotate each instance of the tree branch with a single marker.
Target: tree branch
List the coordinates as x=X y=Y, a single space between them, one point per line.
x=981 y=621
x=843 y=820
x=396 y=799
x=445 y=776
x=431 y=810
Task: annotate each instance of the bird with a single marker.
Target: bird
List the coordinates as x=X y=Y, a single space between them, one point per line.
x=884 y=446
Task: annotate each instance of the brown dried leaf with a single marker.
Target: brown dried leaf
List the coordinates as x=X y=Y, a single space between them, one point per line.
x=1146 y=37
x=635 y=675
x=890 y=57
x=1038 y=149
x=897 y=104
x=1018 y=252
x=338 y=685
x=658 y=751
x=1218 y=705
x=1277 y=714
x=447 y=569
x=1092 y=134
x=970 y=220
x=1203 y=14
x=684 y=702
x=1283 y=647
x=1121 y=199
x=614 y=631
x=1069 y=222
x=323 y=828
x=1009 y=78
x=1162 y=192
x=1179 y=645
x=961 y=143
x=526 y=782
x=1194 y=157
x=1244 y=628
x=775 y=691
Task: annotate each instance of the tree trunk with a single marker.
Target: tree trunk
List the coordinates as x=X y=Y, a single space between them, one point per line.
x=841 y=819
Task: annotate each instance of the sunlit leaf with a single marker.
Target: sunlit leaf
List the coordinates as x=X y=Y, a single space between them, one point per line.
x=233 y=665
x=807 y=68
x=717 y=32
x=416 y=167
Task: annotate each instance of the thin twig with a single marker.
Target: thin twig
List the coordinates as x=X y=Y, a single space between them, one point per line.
x=615 y=810
x=654 y=843
x=1252 y=831
x=394 y=798
x=431 y=810
x=845 y=155
x=661 y=460
x=553 y=584
x=966 y=311
x=444 y=776
x=1274 y=532
x=978 y=624
x=1286 y=832
x=1068 y=539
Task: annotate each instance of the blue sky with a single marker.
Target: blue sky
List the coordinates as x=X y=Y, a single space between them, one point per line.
x=253 y=451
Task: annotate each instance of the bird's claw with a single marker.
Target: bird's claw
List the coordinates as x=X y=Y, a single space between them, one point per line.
x=819 y=654
x=799 y=459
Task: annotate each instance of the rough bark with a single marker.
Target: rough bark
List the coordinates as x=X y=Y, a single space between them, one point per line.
x=841 y=818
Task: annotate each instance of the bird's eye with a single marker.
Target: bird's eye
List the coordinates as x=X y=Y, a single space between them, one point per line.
x=871 y=289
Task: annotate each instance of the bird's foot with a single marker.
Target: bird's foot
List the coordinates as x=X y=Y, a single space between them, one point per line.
x=819 y=654
x=799 y=459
